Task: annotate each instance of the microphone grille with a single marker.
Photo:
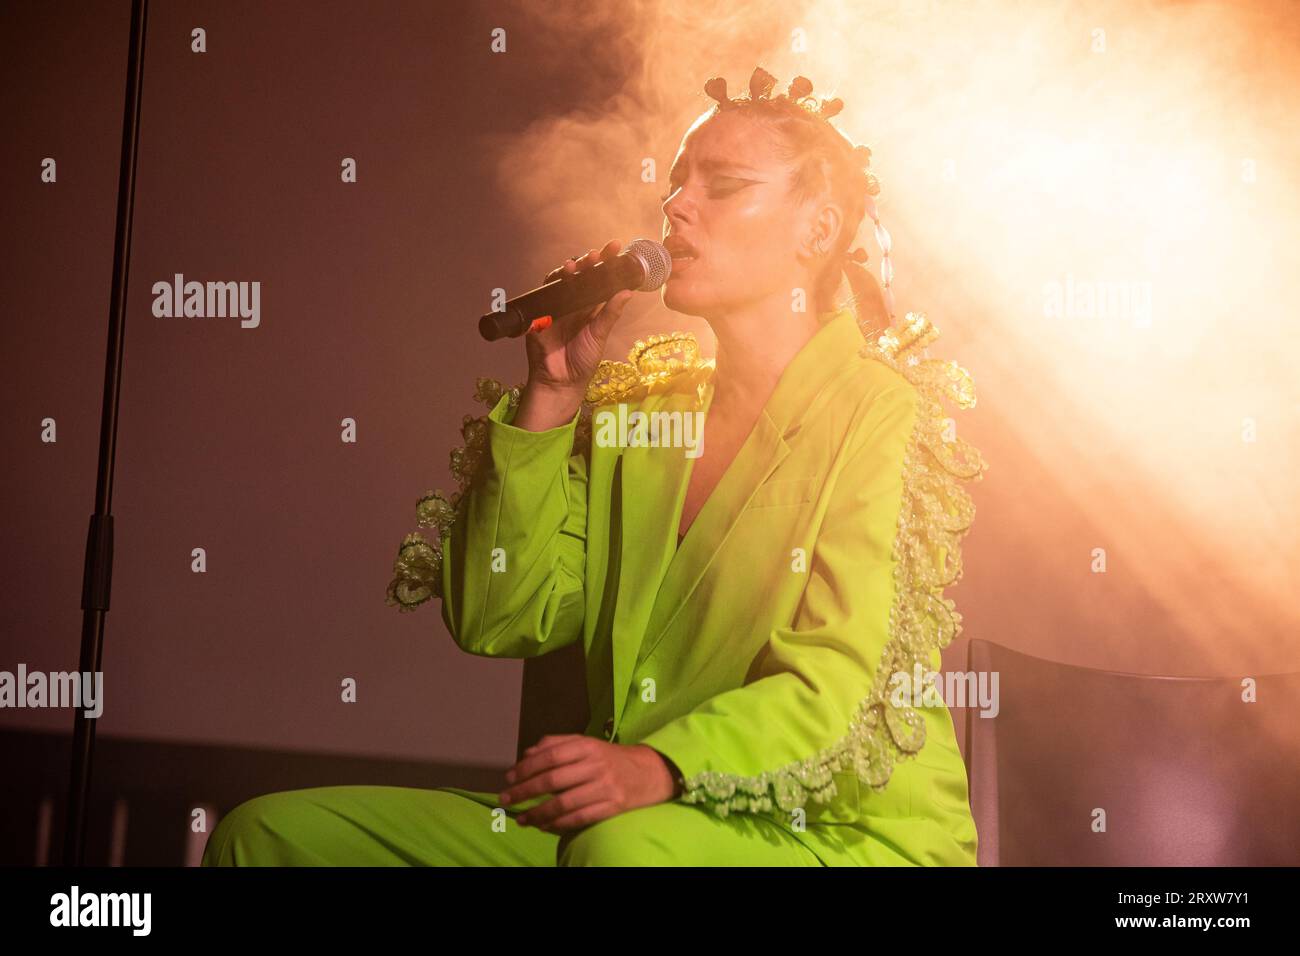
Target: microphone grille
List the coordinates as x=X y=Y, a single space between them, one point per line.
x=655 y=260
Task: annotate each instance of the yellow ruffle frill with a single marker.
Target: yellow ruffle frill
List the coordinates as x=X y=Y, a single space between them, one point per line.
x=936 y=514
x=660 y=362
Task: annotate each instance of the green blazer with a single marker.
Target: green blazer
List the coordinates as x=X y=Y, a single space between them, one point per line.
x=761 y=655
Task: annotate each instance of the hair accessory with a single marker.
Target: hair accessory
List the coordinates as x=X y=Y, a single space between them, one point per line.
x=716 y=87
x=830 y=108
x=761 y=84
x=800 y=87
x=886 y=263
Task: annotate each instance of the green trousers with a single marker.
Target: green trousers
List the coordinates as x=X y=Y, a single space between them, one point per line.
x=448 y=826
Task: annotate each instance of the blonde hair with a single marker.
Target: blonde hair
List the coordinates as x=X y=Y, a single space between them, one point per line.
x=825 y=163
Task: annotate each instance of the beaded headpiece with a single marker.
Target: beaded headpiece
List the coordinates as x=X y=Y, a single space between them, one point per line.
x=799 y=93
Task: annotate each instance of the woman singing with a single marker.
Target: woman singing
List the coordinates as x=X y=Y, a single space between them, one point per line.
x=758 y=612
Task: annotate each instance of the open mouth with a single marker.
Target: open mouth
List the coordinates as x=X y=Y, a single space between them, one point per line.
x=680 y=263
x=681 y=250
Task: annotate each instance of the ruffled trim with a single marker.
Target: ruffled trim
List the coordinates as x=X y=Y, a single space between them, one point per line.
x=667 y=362
x=659 y=363
x=936 y=514
x=417 y=571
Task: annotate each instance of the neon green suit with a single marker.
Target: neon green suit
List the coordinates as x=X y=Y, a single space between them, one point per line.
x=763 y=656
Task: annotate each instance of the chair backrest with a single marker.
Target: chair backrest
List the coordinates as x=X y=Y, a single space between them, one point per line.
x=554 y=696
x=1083 y=767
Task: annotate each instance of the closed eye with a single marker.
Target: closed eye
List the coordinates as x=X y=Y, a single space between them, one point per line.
x=715 y=190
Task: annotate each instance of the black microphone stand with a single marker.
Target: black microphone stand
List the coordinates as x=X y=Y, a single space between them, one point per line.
x=98 y=574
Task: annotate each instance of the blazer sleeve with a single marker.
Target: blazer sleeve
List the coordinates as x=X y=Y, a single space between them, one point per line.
x=817 y=705
x=514 y=559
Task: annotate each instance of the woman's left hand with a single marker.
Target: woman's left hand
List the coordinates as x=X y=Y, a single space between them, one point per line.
x=591 y=780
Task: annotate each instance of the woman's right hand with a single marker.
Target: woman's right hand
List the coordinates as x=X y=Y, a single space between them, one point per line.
x=563 y=357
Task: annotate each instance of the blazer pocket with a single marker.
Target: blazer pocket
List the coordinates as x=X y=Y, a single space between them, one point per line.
x=787 y=491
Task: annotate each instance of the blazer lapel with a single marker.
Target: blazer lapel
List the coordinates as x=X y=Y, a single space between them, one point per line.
x=652 y=489
x=657 y=578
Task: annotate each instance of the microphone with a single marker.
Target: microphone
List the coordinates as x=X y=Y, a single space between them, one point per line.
x=644 y=266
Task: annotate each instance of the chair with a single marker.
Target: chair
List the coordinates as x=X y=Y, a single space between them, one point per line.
x=554 y=696
x=1187 y=774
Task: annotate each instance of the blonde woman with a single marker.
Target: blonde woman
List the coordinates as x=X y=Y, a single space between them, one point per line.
x=754 y=617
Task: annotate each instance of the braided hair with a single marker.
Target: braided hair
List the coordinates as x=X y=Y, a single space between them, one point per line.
x=825 y=162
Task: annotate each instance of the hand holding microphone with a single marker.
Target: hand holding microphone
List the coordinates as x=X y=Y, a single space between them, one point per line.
x=563 y=355
x=644 y=266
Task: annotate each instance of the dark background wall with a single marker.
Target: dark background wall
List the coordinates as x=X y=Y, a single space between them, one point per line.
x=230 y=437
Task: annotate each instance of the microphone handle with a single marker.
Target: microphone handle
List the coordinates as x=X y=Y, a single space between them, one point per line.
x=562 y=296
